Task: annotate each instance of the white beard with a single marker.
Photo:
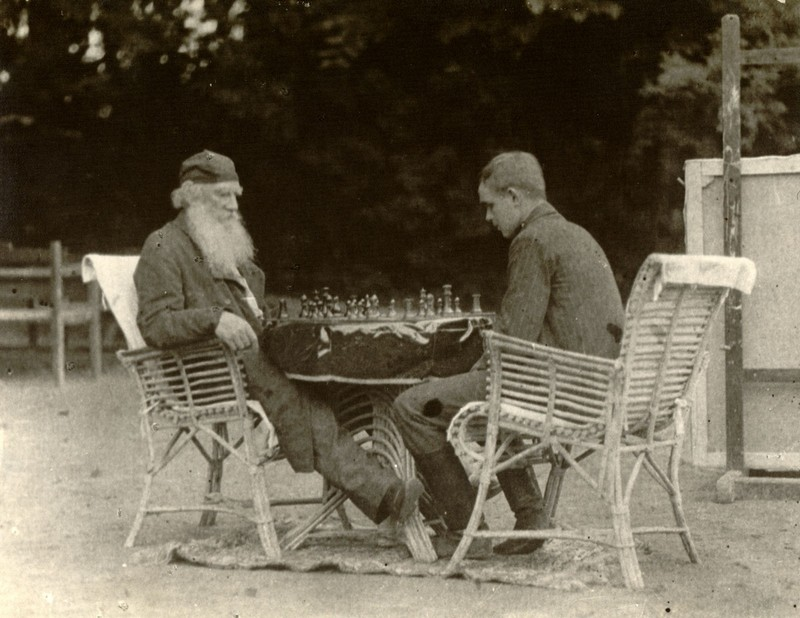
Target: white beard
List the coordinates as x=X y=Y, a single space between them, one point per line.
x=225 y=245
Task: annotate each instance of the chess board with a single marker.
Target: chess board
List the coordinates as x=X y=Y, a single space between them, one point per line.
x=369 y=342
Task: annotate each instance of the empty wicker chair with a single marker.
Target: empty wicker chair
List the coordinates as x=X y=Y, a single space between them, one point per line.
x=545 y=400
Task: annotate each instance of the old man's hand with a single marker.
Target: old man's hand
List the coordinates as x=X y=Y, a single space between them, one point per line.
x=235 y=332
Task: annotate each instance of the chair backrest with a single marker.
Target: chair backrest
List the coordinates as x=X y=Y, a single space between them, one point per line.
x=672 y=304
x=114 y=275
x=202 y=378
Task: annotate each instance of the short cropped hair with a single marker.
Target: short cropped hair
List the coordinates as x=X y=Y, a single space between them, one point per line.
x=516 y=169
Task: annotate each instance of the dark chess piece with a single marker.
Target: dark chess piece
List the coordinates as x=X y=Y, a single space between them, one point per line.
x=283 y=309
x=327 y=301
x=439 y=306
x=408 y=308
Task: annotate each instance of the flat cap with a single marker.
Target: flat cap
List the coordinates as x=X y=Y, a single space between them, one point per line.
x=208 y=167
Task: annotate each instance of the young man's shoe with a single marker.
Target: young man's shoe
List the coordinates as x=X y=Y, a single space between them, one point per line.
x=445 y=546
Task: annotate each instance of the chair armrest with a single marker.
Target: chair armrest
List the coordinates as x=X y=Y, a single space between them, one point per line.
x=206 y=374
x=507 y=343
x=209 y=346
x=534 y=382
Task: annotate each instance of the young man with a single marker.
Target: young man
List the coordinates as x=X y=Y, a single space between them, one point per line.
x=196 y=280
x=560 y=292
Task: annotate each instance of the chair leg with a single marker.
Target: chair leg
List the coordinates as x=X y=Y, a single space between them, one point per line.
x=214 y=480
x=629 y=562
x=140 y=514
x=344 y=517
x=297 y=535
x=138 y=520
x=480 y=499
x=472 y=527
x=552 y=490
x=394 y=452
x=621 y=520
x=258 y=483
x=677 y=504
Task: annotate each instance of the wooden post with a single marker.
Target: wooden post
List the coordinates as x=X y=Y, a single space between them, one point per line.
x=732 y=207
x=95 y=328
x=57 y=320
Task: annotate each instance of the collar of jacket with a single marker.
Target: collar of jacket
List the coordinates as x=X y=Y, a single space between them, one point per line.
x=246 y=270
x=541 y=210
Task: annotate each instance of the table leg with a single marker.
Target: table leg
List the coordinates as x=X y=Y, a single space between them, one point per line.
x=367 y=413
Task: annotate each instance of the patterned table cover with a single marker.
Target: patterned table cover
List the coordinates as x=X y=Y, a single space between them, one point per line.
x=379 y=351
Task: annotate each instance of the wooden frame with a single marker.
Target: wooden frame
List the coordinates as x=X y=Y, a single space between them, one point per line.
x=704 y=215
x=60 y=312
x=733 y=58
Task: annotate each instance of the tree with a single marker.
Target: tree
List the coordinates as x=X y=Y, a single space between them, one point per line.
x=359 y=127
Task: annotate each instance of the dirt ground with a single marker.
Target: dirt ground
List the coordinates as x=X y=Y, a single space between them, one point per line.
x=71 y=464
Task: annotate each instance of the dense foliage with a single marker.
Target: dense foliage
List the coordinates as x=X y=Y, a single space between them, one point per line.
x=359 y=127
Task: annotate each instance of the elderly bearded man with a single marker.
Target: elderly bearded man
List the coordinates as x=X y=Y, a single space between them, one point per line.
x=196 y=280
x=560 y=292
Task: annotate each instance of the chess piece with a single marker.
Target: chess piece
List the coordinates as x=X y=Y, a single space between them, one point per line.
x=430 y=305
x=327 y=301
x=476 y=303
x=439 y=306
x=374 y=307
x=392 y=311
x=448 y=299
x=336 y=307
x=283 y=309
x=304 y=306
x=408 y=308
x=458 y=305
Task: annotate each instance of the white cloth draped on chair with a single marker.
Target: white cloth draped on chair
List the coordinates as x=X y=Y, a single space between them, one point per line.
x=114 y=274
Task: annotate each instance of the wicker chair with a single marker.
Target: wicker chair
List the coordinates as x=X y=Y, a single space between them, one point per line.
x=196 y=391
x=200 y=391
x=546 y=400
